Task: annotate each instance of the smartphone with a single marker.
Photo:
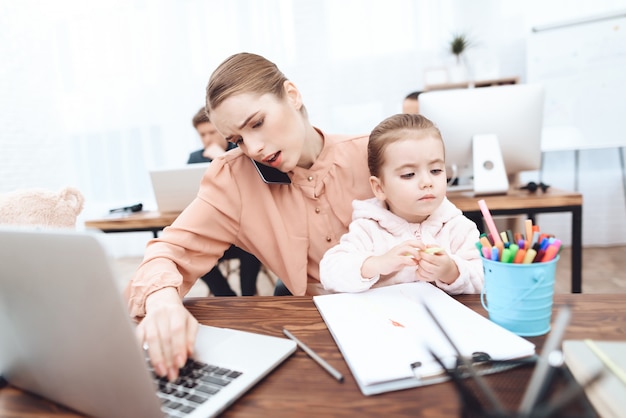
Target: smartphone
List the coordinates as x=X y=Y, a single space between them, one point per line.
x=271 y=175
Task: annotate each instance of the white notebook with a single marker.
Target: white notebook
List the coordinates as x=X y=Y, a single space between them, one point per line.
x=385 y=332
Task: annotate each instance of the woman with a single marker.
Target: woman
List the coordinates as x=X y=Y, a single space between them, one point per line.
x=287 y=223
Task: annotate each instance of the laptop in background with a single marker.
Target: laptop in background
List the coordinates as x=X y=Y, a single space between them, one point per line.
x=67 y=336
x=175 y=188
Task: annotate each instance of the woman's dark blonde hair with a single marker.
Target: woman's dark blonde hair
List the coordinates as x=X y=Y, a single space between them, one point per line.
x=392 y=129
x=244 y=73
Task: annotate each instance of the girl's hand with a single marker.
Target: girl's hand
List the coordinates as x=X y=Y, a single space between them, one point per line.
x=435 y=263
x=168 y=331
x=400 y=256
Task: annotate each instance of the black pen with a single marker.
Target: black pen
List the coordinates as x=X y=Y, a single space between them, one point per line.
x=330 y=369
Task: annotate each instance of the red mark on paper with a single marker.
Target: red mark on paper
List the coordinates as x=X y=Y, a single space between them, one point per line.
x=396 y=324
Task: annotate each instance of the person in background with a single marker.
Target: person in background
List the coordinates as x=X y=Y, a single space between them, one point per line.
x=409 y=231
x=411 y=104
x=287 y=217
x=215 y=145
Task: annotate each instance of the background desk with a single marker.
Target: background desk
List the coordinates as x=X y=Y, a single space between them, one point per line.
x=516 y=202
x=300 y=388
x=523 y=202
x=152 y=221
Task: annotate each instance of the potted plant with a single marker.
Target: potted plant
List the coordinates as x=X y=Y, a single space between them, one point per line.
x=458 y=45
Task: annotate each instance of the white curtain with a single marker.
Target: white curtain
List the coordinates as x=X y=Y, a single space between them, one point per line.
x=97 y=92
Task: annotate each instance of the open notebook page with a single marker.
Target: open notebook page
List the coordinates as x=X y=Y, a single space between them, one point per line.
x=383 y=331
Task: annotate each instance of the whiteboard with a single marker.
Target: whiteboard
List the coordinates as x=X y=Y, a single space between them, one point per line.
x=582 y=65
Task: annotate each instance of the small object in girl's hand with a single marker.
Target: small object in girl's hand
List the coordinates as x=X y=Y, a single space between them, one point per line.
x=432 y=250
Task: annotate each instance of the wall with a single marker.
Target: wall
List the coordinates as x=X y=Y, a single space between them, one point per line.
x=93 y=94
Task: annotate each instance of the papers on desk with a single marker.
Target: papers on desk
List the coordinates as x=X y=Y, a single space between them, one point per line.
x=585 y=357
x=384 y=331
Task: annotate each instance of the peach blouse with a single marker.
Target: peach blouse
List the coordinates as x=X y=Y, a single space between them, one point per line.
x=288 y=227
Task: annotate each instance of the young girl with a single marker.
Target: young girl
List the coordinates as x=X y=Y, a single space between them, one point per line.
x=410 y=231
x=288 y=218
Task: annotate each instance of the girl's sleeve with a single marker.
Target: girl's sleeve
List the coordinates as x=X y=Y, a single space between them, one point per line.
x=340 y=268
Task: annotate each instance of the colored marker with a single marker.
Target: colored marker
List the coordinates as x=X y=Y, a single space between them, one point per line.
x=534 y=238
x=485 y=241
x=489 y=220
x=487 y=253
x=552 y=250
x=506 y=256
x=528 y=223
x=530 y=256
x=519 y=257
x=500 y=247
x=504 y=237
x=495 y=253
x=513 y=248
x=539 y=256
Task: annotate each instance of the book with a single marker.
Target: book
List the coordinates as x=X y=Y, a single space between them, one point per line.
x=608 y=394
x=385 y=335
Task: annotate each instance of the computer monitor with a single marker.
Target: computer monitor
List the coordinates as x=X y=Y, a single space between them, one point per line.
x=476 y=122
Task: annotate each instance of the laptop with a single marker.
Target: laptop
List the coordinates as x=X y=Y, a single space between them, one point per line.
x=67 y=336
x=175 y=188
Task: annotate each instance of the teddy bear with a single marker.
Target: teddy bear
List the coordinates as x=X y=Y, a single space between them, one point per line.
x=41 y=207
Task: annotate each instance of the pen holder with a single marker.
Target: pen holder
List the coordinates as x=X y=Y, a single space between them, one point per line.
x=519 y=296
x=556 y=400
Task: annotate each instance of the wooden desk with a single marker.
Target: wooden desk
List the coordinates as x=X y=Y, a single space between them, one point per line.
x=152 y=221
x=523 y=202
x=300 y=388
x=476 y=83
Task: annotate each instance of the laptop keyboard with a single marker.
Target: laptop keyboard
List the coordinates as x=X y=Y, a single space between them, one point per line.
x=196 y=384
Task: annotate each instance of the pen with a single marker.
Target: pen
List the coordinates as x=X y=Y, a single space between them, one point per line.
x=330 y=369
